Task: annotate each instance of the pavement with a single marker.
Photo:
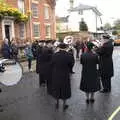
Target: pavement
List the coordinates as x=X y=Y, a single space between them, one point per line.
x=26 y=101
x=25 y=66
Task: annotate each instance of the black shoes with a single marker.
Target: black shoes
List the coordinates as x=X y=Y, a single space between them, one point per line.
x=42 y=85
x=65 y=107
x=56 y=106
x=90 y=101
x=1 y=109
x=87 y=101
x=73 y=72
x=105 y=91
x=0 y=92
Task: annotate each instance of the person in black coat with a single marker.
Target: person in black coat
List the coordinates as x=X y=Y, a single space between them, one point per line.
x=38 y=53
x=14 y=50
x=6 y=50
x=61 y=68
x=89 y=75
x=34 y=49
x=44 y=65
x=49 y=50
x=106 y=63
x=77 y=47
x=71 y=51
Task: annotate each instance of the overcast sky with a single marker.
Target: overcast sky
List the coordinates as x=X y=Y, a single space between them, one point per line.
x=109 y=8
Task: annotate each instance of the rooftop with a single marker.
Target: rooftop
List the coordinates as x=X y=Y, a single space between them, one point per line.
x=85 y=7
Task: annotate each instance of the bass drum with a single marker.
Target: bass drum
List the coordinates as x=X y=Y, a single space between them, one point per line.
x=12 y=75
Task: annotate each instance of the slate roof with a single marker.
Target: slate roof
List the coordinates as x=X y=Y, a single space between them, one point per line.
x=85 y=7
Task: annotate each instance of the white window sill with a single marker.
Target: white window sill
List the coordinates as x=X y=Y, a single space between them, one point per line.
x=47 y=36
x=34 y=1
x=34 y=17
x=36 y=37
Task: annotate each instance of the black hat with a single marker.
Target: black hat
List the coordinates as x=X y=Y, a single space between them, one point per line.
x=106 y=36
x=62 y=46
x=41 y=41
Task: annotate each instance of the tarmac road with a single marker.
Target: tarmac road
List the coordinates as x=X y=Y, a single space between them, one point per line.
x=26 y=101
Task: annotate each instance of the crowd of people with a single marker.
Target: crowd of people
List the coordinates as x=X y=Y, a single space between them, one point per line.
x=9 y=51
x=55 y=61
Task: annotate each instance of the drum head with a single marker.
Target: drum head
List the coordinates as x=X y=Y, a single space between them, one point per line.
x=68 y=40
x=12 y=75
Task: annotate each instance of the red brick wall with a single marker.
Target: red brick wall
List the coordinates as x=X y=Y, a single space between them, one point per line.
x=41 y=19
x=12 y=2
x=51 y=20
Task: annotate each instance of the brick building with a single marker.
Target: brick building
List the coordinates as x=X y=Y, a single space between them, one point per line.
x=41 y=23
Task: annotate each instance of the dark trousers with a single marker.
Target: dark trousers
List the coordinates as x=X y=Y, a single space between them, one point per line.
x=106 y=83
x=77 y=52
x=15 y=58
x=49 y=83
x=41 y=79
x=29 y=63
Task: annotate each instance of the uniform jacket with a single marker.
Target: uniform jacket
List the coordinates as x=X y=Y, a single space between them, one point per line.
x=44 y=60
x=106 y=62
x=61 y=67
x=89 y=76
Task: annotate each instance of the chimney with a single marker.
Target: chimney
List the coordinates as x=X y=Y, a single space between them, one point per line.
x=71 y=3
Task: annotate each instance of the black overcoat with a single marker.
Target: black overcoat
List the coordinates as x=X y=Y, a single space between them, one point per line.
x=43 y=66
x=38 y=53
x=6 y=51
x=44 y=60
x=106 y=61
x=89 y=76
x=61 y=67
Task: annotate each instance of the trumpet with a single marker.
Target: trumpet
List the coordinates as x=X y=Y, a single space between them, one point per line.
x=97 y=43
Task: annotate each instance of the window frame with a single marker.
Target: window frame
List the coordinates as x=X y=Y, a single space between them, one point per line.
x=49 y=35
x=35 y=1
x=47 y=17
x=35 y=9
x=22 y=38
x=21 y=3
x=33 y=25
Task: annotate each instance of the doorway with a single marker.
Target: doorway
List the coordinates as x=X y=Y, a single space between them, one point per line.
x=8 y=29
x=7 y=32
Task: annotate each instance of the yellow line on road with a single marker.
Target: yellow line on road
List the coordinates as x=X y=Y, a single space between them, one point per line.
x=114 y=113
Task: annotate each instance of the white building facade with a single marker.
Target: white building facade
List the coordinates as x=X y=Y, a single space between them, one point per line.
x=89 y=14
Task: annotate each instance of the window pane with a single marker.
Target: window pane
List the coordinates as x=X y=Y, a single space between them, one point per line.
x=36 y=0
x=46 y=12
x=21 y=5
x=36 y=30
x=48 y=31
x=34 y=10
x=21 y=31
